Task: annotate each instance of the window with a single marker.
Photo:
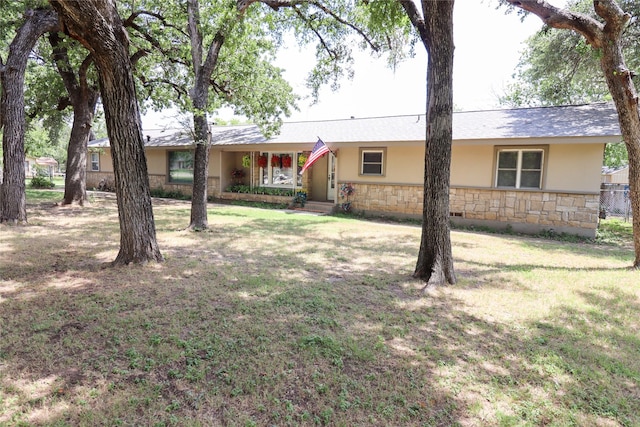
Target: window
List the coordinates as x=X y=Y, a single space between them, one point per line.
x=95 y=161
x=181 y=167
x=280 y=169
x=519 y=168
x=372 y=161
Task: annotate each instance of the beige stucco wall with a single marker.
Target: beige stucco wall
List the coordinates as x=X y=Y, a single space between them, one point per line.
x=106 y=163
x=472 y=165
x=156 y=161
x=574 y=167
x=402 y=164
x=568 y=167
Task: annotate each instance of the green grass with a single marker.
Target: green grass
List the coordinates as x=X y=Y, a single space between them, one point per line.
x=282 y=319
x=615 y=231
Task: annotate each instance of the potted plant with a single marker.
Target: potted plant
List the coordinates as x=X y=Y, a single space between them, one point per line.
x=246 y=161
x=237 y=175
x=300 y=198
x=286 y=161
x=275 y=161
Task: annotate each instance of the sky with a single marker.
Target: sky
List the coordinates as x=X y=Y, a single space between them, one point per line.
x=488 y=47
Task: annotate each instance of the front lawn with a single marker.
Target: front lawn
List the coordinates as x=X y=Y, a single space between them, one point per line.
x=274 y=318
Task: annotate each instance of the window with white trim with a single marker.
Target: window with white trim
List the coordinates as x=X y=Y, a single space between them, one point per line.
x=280 y=169
x=519 y=168
x=95 y=161
x=372 y=161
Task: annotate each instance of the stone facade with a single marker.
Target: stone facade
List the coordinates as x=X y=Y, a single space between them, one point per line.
x=526 y=211
x=157 y=181
x=264 y=198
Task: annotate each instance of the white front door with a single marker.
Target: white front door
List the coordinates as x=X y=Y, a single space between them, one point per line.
x=331 y=177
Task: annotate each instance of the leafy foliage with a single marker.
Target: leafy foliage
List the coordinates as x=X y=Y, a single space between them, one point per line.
x=615 y=155
x=38 y=142
x=40 y=181
x=558 y=67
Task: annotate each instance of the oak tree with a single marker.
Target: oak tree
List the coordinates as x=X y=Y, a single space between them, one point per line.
x=434 y=25
x=12 y=111
x=98 y=26
x=604 y=33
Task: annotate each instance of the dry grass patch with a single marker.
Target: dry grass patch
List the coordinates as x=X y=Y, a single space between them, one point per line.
x=274 y=318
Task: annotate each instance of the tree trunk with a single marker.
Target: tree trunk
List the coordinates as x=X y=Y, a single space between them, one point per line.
x=83 y=98
x=199 y=219
x=607 y=37
x=96 y=24
x=625 y=98
x=435 y=259
x=200 y=98
x=12 y=190
x=75 y=181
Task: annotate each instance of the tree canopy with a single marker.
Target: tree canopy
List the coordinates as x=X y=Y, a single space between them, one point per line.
x=605 y=33
x=559 y=67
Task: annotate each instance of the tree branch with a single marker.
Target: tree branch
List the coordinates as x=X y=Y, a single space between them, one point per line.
x=63 y=64
x=193 y=25
x=138 y=55
x=613 y=15
x=176 y=87
x=362 y=34
x=212 y=55
x=222 y=89
x=417 y=21
x=324 y=44
x=84 y=69
x=130 y=20
x=277 y=4
x=555 y=17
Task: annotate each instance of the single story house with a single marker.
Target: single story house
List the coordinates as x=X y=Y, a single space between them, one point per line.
x=530 y=169
x=47 y=165
x=615 y=175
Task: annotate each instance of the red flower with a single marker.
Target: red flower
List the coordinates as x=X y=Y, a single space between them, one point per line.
x=286 y=161
x=262 y=161
x=275 y=161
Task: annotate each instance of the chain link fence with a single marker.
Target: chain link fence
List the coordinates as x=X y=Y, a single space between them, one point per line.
x=615 y=201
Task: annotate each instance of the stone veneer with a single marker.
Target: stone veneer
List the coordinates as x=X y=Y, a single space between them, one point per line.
x=527 y=211
x=157 y=181
x=265 y=198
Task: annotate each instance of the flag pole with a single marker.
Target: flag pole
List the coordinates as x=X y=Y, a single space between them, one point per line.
x=330 y=150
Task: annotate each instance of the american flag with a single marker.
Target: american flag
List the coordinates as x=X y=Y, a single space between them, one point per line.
x=319 y=150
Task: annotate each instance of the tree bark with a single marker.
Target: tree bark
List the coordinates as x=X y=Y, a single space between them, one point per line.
x=435 y=258
x=607 y=38
x=96 y=24
x=200 y=99
x=199 y=218
x=13 y=207
x=83 y=98
x=75 y=180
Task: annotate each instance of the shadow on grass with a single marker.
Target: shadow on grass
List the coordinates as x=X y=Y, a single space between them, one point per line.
x=136 y=346
x=299 y=331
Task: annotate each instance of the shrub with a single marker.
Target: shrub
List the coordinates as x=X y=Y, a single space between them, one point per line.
x=41 y=182
x=164 y=194
x=240 y=188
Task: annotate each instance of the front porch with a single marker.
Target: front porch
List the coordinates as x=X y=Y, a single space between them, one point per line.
x=243 y=174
